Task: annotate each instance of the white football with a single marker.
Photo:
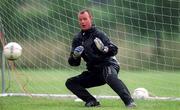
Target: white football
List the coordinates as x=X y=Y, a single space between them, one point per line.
x=12 y=51
x=140 y=93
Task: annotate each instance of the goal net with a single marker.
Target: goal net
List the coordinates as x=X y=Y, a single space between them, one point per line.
x=145 y=31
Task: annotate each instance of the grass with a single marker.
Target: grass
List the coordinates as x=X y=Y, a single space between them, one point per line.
x=26 y=103
x=52 y=81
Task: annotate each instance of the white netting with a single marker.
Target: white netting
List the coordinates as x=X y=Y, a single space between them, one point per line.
x=146 y=32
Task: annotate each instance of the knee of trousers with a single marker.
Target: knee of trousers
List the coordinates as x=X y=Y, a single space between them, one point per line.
x=111 y=78
x=69 y=82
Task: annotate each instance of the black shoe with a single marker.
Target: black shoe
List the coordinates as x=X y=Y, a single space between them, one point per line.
x=131 y=105
x=92 y=104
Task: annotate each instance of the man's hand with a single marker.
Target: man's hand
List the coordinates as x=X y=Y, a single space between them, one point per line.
x=100 y=45
x=78 y=51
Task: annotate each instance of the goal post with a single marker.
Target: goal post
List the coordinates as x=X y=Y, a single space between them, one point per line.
x=2 y=57
x=145 y=31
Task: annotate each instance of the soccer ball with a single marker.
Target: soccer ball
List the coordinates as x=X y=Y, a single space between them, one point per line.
x=140 y=93
x=12 y=51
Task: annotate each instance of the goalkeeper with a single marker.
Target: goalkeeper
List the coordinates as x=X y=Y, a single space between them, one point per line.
x=102 y=67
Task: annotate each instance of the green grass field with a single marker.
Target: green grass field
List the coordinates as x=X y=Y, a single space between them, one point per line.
x=52 y=81
x=25 y=103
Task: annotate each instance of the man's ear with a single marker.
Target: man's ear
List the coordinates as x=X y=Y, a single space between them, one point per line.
x=91 y=17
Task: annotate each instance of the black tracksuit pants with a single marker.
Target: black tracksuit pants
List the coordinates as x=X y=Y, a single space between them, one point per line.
x=98 y=77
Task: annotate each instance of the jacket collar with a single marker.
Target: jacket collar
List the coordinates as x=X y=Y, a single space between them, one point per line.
x=92 y=29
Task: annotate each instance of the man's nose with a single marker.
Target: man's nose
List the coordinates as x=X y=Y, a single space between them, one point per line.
x=82 y=21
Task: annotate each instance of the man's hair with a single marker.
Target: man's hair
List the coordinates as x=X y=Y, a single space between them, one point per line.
x=85 y=10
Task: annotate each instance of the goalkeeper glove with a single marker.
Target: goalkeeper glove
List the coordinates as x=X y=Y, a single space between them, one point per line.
x=100 y=45
x=78 y=51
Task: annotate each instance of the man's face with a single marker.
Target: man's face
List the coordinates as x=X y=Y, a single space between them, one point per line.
x=85 y=21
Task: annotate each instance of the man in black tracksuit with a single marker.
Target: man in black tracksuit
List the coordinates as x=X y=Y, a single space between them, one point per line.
x=102 y=67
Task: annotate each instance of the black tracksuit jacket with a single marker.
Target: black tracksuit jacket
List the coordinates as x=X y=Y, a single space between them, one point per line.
x=91 y=55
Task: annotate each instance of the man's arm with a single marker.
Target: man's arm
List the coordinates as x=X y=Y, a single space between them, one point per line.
x=72 y=61
x=75 y=60
x=104 y=45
